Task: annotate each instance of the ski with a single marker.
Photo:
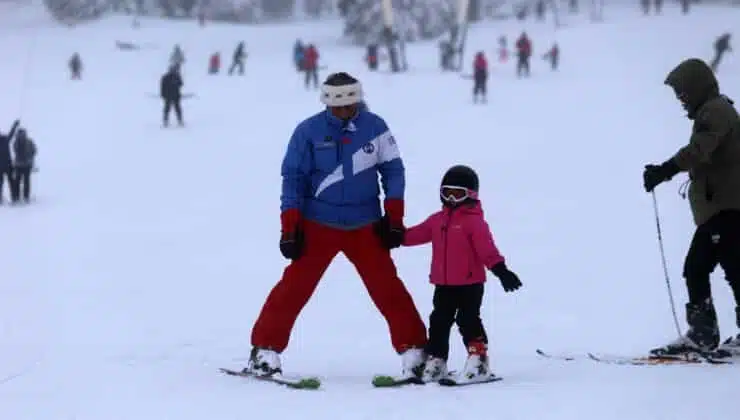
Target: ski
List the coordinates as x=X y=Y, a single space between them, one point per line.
x=561 y=356
x=452 y=381
x=685 y=359
x=387 y=381
x=290 y=382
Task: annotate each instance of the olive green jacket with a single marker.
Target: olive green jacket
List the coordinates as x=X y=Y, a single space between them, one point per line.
x=712 y=156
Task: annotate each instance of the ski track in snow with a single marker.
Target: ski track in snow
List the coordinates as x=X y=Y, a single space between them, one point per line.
x=145 y=260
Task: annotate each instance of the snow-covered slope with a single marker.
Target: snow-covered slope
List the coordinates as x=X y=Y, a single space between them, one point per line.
x=145 y=259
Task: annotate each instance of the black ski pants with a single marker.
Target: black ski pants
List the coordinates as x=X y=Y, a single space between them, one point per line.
x=312 y=76
x=455 y=304
x=716 y=242
x=479 y=85
x=169 y=104
x=7 y=174
x=554 y=63
x=23 y=179
x=522 y=66
x=237 y=64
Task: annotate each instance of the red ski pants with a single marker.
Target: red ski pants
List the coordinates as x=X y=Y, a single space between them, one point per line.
x=376 y=268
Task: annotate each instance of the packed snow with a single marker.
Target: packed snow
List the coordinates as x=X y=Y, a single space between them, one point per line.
x=147 y=254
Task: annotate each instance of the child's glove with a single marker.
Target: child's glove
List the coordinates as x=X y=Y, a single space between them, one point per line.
x=509 y=280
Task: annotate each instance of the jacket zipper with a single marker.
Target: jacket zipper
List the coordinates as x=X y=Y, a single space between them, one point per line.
x=340 y=154
x=446 y=231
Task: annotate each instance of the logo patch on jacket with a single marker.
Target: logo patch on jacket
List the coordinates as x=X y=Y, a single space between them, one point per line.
x=326 y=143
x=368 y=148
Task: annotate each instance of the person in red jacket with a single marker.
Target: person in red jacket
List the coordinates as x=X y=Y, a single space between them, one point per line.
x=214 y=64
x=311 y=65
x=462 y=250
x=480 y=77
x=524 y=52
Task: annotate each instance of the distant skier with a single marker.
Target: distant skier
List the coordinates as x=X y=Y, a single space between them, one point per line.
x=238 y=60
x=311 y=66
x=298 y=55
x=75 y=67
x=712 y=160
x=25 y=155
x=503 y=50
x=177 y=58
x=658 y=6
x=721 y=46
x=446 y=56
x=539 y=10
x=524 y=53
x=6 y=161
x=645 y=6
x=459 y=231
x=214 y=63
x=553 y=56
x=371 y=58
x=480 y=77
x=170 y=91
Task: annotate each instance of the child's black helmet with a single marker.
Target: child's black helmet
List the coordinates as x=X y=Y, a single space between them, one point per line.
x=461 y=176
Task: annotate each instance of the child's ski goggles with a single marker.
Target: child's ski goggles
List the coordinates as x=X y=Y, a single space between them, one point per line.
x=456 y=194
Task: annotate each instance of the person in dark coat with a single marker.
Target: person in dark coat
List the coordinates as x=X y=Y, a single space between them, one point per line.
x=6 y=161
x=25 y=155
x=299 y=51
x=75 y=67
x=721 y=46
x=371 y=58
x=238 y=61
x=712 y=160
x=170 y=91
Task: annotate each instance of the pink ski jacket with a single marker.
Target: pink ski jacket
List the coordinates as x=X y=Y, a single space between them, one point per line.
x=462 y=245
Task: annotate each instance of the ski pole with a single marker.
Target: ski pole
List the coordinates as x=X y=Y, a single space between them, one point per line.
x=665 y=265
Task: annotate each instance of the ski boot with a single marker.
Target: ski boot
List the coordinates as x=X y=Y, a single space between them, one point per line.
x=476 y=367
x=435 y=369
x=702 y=336
x=263 y=362
x=412 y=363
x=731 y=346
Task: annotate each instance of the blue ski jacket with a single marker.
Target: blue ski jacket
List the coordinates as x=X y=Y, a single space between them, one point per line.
x=330 y=170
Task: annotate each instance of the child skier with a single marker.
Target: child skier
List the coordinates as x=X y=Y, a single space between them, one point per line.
x=462 y=248
x=553 y=56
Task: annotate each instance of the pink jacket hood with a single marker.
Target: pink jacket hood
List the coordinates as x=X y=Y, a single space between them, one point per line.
x=462 y=245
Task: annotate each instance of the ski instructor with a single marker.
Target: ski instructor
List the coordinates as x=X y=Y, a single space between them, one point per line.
x=329 y=204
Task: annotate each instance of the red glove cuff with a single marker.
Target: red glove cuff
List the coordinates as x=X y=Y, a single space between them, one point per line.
x=289 y=220
x=394 y=209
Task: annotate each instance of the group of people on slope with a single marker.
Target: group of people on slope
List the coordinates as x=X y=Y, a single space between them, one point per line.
x=331 y=203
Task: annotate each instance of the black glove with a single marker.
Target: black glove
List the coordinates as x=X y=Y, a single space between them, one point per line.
x=291 y=245
x=654 y=175
x=391 y=236
x=509 y=280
